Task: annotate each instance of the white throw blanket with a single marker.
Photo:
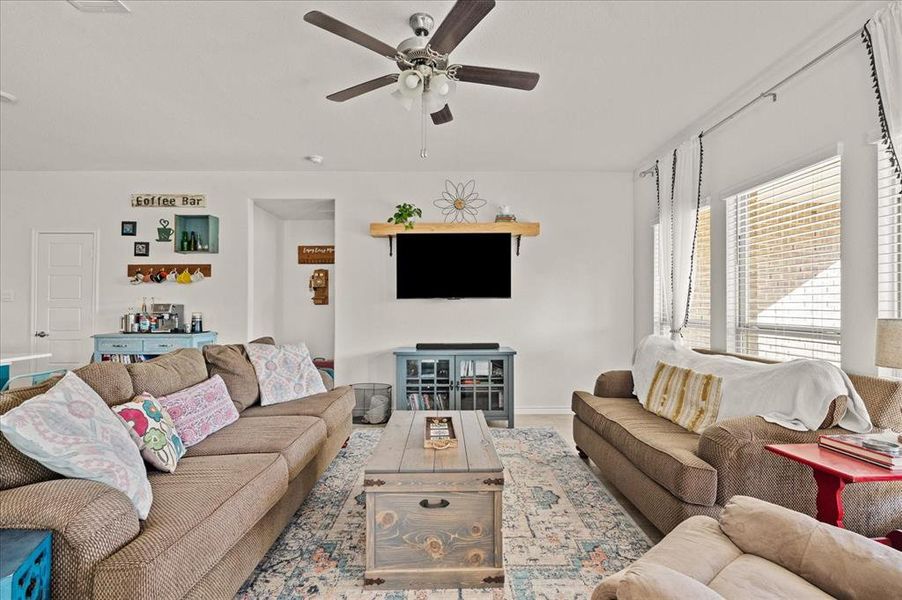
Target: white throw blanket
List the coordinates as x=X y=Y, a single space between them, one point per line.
x=795 y=394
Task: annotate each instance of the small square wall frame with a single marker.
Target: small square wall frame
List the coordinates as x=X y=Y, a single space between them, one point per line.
x=206 y=227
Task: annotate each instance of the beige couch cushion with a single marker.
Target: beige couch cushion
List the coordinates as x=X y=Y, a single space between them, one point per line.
x=697 y=548
x=751 y=576
x=297 y=439
x=835 y=560
x=662 y=450
x=198 y=513
x=169 y=373
x=232 y=364
x=110 y=380
x=333 y=407
x=648 y=580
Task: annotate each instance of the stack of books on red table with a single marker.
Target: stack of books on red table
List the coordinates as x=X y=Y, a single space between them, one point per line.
x=881 y=449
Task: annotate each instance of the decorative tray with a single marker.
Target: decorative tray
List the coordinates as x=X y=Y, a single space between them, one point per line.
x=439 y=433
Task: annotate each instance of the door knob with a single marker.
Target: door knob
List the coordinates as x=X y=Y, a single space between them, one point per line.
x=41 y=334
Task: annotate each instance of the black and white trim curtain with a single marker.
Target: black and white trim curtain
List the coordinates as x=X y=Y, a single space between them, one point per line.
x=678 y=183
x=882 y=36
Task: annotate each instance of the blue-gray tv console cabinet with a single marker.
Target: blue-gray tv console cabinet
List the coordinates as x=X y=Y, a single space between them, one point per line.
x=456 y=380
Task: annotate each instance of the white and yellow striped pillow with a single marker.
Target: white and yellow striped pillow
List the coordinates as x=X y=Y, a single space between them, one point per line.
x=689 y=399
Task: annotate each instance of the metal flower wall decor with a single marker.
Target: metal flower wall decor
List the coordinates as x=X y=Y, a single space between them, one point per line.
x=460 y=202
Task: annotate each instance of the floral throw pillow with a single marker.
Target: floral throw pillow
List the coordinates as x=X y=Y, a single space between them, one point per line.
x=284 y=372
x=70 y=430
x=153 y=431
x=200 y=410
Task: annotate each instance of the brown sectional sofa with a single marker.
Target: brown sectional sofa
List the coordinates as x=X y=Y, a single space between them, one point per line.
x=671 y=474
x=211 y=521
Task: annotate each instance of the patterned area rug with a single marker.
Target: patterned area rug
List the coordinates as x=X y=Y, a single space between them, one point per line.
x=563 y=532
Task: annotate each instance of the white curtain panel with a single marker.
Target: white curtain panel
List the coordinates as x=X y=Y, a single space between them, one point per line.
x=885 y=33
x=677 y=218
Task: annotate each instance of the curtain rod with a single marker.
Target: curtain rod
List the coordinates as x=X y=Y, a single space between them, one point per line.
x=771 y=92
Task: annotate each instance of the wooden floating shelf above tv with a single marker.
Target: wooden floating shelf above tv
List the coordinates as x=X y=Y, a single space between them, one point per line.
x=514 y=228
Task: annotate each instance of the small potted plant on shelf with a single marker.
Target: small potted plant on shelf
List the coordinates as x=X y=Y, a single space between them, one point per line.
x=403 y=215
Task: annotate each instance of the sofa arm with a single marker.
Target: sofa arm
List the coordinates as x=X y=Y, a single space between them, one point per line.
x=735 y=448
x=89 y=520
x=614 y=384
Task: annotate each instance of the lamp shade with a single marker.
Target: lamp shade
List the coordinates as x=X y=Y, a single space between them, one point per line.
x=889 y=343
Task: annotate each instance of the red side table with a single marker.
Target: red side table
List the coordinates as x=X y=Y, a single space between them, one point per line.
x=832 y=471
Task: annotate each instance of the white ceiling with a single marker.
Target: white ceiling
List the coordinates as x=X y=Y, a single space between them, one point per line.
x=240 y=85
x=299 y=210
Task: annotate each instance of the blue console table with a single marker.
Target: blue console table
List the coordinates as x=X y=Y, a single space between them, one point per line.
x=456 y=380
x=148 y=344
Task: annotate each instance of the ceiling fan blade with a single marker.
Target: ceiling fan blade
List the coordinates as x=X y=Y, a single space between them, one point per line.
x=521 y=80
x=442 y=116
x=464 y=16
x=335 y=26
x=362 y=88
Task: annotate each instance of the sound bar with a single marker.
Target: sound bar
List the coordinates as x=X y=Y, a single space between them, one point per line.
x=459 y=346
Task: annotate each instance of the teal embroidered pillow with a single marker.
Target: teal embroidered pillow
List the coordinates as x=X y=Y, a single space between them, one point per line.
x=153 y=431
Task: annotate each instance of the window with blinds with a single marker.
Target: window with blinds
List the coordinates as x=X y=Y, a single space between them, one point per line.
x=889 y=242
x=783 y=266
x=697 y=333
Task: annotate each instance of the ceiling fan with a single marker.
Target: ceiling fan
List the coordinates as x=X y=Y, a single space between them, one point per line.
x=426 y=70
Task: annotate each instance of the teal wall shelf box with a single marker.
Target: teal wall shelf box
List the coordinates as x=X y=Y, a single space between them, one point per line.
x=206 y=227
x=457 y=380
x=148 y=344
x=25 y=564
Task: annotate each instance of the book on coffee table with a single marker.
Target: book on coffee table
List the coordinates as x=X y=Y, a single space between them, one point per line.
x=881 y=449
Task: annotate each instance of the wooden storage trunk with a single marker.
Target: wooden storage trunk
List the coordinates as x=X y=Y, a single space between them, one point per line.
x=434 y=516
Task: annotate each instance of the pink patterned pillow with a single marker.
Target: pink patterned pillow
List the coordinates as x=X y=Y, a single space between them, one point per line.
x=200 y=410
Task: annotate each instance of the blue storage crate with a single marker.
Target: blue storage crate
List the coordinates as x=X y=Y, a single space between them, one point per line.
x=25 y=562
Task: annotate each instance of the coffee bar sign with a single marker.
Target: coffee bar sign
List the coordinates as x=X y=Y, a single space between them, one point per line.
x=169 y=200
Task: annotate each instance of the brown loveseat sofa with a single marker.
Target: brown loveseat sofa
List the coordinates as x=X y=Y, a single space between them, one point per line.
x=758 y=550
x=211 y=521
x=671 y=474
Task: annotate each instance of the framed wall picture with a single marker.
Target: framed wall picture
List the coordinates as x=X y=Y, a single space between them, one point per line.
x=129 y=228
x=142 y=248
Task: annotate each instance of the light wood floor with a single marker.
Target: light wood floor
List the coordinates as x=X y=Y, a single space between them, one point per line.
x=563 y=424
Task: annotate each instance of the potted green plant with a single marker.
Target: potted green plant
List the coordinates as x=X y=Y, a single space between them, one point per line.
x=403 y=215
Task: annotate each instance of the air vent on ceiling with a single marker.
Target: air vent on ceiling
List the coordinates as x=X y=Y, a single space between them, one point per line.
x=100 y=6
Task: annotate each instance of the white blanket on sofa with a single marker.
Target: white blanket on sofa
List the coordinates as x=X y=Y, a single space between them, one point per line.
x=795 y=394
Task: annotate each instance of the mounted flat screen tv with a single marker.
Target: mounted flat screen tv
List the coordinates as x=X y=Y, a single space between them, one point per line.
x=454 y=265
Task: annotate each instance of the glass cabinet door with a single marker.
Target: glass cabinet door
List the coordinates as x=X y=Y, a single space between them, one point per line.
x=428 y=382
x=480 y=383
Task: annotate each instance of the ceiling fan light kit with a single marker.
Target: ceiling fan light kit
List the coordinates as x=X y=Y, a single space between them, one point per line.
x=426 y=73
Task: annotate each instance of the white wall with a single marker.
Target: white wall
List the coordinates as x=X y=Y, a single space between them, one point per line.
x=265 y=278
x=301 y=319
x=829 y=107
x=571 y=314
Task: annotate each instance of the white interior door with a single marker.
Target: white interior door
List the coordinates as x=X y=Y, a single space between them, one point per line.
x=64 y=279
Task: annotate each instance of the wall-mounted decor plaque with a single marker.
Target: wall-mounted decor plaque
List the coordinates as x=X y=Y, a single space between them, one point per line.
x=316 y=255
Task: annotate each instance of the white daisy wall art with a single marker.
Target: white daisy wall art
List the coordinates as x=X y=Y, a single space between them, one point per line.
x=460 y=202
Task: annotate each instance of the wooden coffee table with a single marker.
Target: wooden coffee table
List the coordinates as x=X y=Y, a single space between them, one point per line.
x=832 y=471
x=433 y=517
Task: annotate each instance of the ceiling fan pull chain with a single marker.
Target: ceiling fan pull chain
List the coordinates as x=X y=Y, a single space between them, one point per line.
x=424 y=153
